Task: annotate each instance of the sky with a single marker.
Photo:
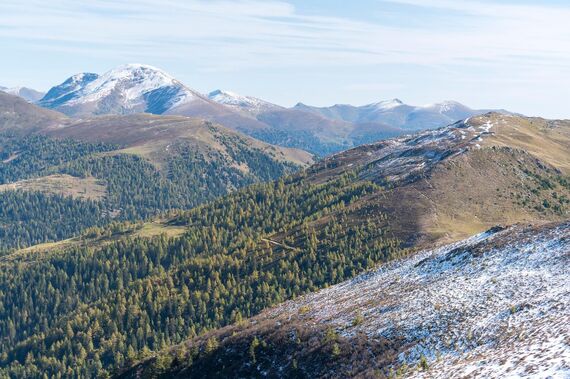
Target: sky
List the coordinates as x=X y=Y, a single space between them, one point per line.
x=512 y=54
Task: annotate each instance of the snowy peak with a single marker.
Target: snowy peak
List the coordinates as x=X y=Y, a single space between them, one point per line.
x=130 y=88
x=388 y=104
x=135 y=80
x=446 y=107
x=236 y=101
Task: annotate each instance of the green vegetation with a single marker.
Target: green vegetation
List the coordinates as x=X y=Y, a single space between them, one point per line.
x=33 y=217
x=299 y=139
x=546 y=193
x=135 y=188
x=89 y=310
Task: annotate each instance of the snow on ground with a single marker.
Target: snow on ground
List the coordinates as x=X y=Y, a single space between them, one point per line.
x=400 y=158
x=494 y=305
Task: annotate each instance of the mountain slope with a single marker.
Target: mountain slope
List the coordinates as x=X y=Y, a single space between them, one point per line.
x=494 y=305
x=16 y=114
x=456 y=181
x=60 y=175
x=152 y=136
x=271 y=242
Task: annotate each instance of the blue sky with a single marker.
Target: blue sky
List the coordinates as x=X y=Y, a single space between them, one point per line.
x=512 y=54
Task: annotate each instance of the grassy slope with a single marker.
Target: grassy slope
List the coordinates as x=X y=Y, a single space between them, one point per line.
x=91 y=238
x=61 y=184
x=150 y=136
x=19 y=115
x=495 y=180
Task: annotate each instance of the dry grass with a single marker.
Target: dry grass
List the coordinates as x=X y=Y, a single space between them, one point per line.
x=546 y=140
x=155 y=228
x=62 y=184
x=147 y=230
x=150 y=136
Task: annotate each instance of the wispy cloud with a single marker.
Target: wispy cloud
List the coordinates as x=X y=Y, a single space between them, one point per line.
x=229 y=35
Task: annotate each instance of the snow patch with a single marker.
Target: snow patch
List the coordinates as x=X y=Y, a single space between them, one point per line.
x=494 y=305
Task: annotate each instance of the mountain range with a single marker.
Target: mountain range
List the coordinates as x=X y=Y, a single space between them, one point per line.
x=151 y=231
x=191 y=292
x=137 y=88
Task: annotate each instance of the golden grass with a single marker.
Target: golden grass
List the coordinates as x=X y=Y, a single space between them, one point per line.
x=61 y=184
x=155 y=228
x=147 y=230
x=534 y=135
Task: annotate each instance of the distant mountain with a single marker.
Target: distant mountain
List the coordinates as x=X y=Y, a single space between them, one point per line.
x=397 y=114
x=132 y=88
x=138 y=88
x=330 y=129
x=28 y=94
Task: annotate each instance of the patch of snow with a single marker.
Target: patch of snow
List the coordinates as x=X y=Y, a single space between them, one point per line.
x=494 y=305
x=443 y=107
x=234 y=100
x=388 y=104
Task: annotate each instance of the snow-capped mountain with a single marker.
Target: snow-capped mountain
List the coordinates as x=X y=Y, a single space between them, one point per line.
x=131 y=88
x=397 y=114
x=249 y=104
x=28 y=94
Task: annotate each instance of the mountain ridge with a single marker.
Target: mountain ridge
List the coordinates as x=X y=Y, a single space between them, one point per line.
x=136 y=88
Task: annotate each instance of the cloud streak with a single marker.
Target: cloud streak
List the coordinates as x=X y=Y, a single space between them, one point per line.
x=231 y=35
